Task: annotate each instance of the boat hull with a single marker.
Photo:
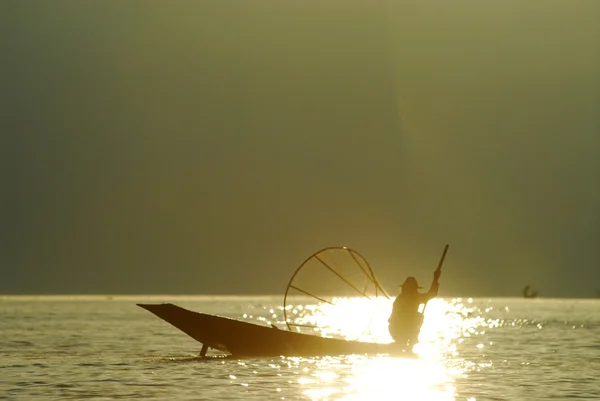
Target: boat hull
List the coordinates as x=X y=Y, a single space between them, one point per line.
x=243 y=339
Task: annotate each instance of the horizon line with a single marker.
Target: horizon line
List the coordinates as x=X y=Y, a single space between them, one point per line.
x=232 y=295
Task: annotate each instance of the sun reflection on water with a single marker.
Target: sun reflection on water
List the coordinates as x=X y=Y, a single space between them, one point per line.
x=399 y=378
x=351 y=318
x=428 y=376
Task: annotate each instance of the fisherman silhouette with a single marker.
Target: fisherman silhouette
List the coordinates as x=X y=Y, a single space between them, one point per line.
x=528 y=292
x=407 y=315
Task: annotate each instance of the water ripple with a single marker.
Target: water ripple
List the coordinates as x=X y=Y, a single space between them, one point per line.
x=487 y=349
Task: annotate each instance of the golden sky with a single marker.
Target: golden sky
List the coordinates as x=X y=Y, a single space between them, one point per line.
x=196 y=147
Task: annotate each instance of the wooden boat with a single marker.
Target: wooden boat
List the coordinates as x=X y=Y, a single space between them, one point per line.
x=339 y=265
x=243 y=339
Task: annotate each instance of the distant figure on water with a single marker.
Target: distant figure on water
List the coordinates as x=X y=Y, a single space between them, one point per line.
x=407 y=314
x=528 y=292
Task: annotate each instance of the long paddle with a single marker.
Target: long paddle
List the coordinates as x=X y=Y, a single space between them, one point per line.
x=439 y=268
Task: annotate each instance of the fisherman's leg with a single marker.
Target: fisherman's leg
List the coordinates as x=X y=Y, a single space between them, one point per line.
x=400 y=335
x=406 y=336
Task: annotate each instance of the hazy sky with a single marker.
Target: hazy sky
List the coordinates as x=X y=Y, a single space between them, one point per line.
x=211 y=146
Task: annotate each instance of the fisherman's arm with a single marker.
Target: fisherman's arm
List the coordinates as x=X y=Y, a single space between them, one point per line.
x=435 y=285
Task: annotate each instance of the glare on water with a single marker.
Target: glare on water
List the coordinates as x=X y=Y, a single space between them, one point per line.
x=470 y=350
x=425 y=378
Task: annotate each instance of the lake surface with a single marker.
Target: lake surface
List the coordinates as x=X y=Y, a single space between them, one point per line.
x=105 y=347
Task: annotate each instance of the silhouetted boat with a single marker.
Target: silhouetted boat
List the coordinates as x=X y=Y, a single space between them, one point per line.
x=340 y=265
x=528 y=292
x=243 y=339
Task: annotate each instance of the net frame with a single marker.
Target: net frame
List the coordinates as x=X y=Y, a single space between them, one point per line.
x=360 y=262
